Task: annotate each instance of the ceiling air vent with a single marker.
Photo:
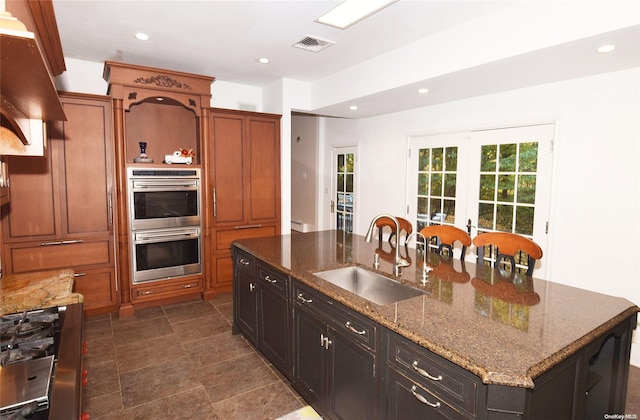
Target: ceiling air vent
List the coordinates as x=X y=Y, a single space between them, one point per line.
x=312 y=43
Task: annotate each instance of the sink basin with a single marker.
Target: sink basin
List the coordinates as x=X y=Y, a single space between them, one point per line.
x=369 y=285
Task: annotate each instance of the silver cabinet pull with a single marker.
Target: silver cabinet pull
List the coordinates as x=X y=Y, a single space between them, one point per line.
x=79 y=274
x=270 y=280
x=353 y=330
x=425 y=373
x=325 y=342
x=187 y=286
x=147 y=292
x=247 y=227
x=110 y=207
x=244 y=262
x=252 y=287
x=303 y=300
x=422 y=399
x=75 y=241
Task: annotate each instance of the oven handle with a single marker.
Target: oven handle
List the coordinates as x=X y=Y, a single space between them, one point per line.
x=154 y=237
x=143 y=185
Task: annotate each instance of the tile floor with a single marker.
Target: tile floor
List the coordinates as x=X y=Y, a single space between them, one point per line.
x=181 y=361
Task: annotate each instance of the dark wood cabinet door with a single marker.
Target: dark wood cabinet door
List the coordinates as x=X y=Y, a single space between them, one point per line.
x=85 y=150
x=352 y=391
x=228 y=168
x=274 y=334
x=246 y=301
x=264 y=149
x=310 y=357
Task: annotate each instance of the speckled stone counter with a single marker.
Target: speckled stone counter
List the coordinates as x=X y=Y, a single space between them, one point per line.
x=506 y=330
x=40 y=289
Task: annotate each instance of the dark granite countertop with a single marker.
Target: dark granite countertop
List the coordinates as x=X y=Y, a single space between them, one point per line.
x=507 y=331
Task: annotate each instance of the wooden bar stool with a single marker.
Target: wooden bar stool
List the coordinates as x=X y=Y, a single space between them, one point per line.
x=405 y=226
x=506 y=247
x=446 y=237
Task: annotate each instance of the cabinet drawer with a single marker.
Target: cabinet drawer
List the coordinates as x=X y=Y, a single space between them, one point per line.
x=97 y=287
x=226 y=236
x=407 y=400
x=352 y=324
x=434 y=373
x=273 y=279
x=60 y=254
x=244 y=261
x=165 y=288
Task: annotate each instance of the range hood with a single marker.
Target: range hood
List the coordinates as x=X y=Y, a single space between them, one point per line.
x=28 y=96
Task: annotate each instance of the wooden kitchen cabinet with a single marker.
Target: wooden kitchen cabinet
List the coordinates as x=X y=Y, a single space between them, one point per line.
x=335 y=357
x=243 y=169
x=169 y=110
x=261 y=309
x=61 y=209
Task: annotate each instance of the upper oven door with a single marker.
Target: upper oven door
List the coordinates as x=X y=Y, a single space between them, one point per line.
x=164 y=203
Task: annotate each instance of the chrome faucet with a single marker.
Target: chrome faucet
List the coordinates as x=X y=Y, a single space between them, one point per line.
x=399 y=261
x=425 y=269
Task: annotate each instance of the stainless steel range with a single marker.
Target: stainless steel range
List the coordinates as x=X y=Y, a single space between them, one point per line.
x=41 y=363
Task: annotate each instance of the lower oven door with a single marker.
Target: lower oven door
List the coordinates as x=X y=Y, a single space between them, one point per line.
x=165 y=253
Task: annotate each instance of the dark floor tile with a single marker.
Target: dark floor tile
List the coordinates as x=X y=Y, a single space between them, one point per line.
x=189 y=311
x=99 y=351
x=141 y=330
x=227 y=311
x=97 y=330
x=95 y=318
x=235 y=377
x=102 y=380
x=216 y=349
x=265 y=403
x=222 y=298
x=201 y=327
x=140 y=315
x=192 y=404
x=144 y=353
x=105 y=407
x=155 y=382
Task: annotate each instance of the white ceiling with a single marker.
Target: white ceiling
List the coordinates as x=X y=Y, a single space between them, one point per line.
x=224 y=39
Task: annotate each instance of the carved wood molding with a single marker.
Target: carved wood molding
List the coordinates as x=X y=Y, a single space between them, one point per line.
x=163 y=81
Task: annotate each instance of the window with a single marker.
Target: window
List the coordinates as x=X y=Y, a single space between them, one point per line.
x=344 y=161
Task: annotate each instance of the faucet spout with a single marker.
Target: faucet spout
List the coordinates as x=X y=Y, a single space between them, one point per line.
x=425 y=269
x=399 y=261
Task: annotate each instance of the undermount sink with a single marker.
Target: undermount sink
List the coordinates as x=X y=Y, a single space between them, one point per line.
x=369 y=285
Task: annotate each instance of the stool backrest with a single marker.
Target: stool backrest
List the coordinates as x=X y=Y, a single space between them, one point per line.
x=507 y=247
x=447 y=236
x=383 y=222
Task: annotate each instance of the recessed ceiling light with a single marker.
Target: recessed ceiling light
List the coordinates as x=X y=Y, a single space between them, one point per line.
x=264 y=60
x=423 y=90
x=142 y=36
x=606 y=48
x=353 y=107
x=349 y=12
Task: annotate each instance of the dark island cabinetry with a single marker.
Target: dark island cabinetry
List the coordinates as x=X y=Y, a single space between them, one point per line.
x=335 y=353
x=260 y=312
x=436 y=355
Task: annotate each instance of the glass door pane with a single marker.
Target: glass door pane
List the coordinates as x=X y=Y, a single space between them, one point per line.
x=343 y=203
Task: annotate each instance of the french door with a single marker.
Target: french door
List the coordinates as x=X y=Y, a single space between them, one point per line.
x=485 y=180
x=343 y=188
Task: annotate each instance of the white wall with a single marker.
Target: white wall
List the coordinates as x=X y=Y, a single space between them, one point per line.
x=594 y=233
x=304 y=171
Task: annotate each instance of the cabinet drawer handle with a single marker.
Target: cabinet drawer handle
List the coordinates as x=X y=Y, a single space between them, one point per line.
x=353 y=330
x=303 y=300
x=248 y=227
x=244 y=262
x=79 y=274
x=75 y=241
x=422 y=399
x=425 y=373
x=148 y=292
x=269 y=279
x=187 y=286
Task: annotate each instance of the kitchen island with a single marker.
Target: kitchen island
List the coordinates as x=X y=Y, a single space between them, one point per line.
x=512 y=346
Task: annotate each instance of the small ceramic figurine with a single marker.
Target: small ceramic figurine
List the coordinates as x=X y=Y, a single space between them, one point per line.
x=143 y=158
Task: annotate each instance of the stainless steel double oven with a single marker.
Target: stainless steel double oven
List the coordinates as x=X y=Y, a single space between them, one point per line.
x=165 y=222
